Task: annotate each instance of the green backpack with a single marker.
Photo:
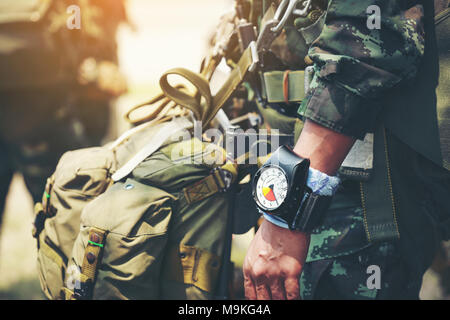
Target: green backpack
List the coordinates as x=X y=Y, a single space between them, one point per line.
x=157 y=233
x=147 y=216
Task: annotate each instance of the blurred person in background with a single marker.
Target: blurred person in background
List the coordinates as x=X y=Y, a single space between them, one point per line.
x=56 y=83
x=99 y=77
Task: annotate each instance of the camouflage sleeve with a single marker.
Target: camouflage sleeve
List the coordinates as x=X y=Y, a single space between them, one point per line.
x=355 y=65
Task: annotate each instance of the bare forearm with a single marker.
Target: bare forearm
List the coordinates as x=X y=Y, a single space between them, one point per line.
x=325 y=148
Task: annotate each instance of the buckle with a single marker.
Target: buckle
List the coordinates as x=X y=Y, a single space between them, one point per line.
x=226 y=178
x=289 y=7
x=255 y=56
x=39 y=220
x=309 y=74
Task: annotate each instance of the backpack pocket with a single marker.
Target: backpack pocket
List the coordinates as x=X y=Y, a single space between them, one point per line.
x=52 y=264
x=134 y=219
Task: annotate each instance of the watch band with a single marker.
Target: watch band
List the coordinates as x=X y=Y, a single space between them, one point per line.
x=310 y=192
x=311 y=212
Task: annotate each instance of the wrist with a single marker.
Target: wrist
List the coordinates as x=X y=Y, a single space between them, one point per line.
x=320 y=184
x=273 y=228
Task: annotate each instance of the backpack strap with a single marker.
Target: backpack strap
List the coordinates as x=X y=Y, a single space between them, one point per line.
x=91 y=260
x=220 y=180
x=165 y=131
x=377 y=196
x=203 y=104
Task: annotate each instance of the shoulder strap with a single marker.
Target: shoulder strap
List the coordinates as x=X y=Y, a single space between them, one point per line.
x=203 y=104
x=165 y=131
x=377 y=196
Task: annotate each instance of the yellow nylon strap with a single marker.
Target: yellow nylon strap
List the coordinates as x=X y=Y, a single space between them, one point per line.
x=184 y=99
x=201 y=190
x=209 y=185
x=191 y=265
x=234 y=80
x=231 y=167
x=262 y=160
x=209 y=65
x=153 y=108
x=38 y=208
x=92 y=254
x=68 y=294
x=207 y=109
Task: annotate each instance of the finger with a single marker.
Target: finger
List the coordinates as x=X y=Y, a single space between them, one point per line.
x=292 y=288
x=262 y=292
x=249 y=288
x=277 y=290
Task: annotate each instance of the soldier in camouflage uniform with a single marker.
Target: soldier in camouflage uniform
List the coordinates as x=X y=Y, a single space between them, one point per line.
x=383 y=81
x=99 y=77
x=55 y=94
x=36 y=120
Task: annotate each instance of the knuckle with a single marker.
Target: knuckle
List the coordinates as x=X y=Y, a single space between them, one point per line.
x=259 y=271
x=292 y=295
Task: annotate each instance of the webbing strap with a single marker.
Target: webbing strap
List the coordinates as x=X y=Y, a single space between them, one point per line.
x=184 y=99
x=235 y=79
x=211 y=184
x=68 y=294
x=203 y=104
x=280 y=85
x=153 y=108
x=165 y=131
x=191 y=265
x=441 y=16
x=92 y=255
x=380 y=217
x=50 y=253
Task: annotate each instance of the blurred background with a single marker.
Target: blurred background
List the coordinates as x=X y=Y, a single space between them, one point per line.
x=160 y=35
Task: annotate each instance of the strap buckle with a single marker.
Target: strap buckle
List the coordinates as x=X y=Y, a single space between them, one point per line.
x=289 y=8
x=225 y=176
x=272 y=28
x=309 y=74
x=255 y=56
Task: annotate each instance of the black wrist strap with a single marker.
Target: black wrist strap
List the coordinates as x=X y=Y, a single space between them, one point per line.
x=311 y=212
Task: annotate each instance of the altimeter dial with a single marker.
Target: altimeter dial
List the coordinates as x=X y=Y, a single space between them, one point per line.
x=271 y=188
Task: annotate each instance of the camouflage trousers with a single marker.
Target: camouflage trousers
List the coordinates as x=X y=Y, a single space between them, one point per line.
x=340 y=261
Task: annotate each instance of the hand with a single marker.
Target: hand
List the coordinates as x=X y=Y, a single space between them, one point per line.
x=274 y=263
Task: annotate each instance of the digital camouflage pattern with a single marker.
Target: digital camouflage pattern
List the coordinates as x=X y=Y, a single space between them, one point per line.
x=357 y=75
x=346 y=277
x=340 y=254
x=355 y=65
